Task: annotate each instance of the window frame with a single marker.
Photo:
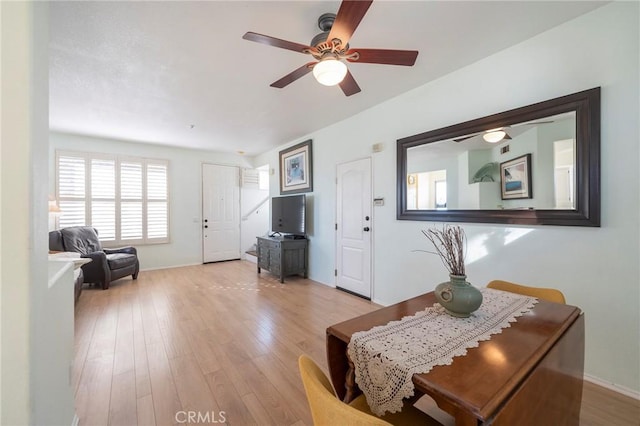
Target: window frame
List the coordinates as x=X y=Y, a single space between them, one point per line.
x=145 y=162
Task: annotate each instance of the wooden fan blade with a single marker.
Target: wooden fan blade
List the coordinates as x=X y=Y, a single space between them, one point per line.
x=466 y=137
x=347 y=20
x=533 y=123
x=384 y=56
x=276 y=42
x=293 y=76
x=349 y=85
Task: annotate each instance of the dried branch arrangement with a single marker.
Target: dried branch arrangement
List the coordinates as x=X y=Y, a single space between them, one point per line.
x=450 y=245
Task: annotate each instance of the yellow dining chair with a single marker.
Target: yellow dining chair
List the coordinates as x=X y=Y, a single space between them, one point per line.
x=548 y=294
x=327 y=409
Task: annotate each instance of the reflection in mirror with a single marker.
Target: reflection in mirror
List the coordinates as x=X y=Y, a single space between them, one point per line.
x=535 y=165
x=427 y=190
x=468 y=168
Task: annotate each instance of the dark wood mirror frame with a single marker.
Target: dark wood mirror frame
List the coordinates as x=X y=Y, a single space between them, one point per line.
x=586 y=105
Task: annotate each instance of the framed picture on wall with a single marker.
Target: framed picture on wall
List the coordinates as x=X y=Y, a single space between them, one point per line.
x=296 y=174
x=515 y=178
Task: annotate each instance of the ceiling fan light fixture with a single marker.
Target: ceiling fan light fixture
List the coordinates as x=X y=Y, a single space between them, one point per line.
x=330 y=71
x=494 y=136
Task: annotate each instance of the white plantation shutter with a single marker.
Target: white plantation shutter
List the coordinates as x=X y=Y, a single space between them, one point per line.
x=131 y=225
x=72 y=213
x=157 y=197
x=131 y=181
x=71 y=191
x=157 y=219
x=125 y=199
x=103 y=218
x=131 y=220
x=103 y=198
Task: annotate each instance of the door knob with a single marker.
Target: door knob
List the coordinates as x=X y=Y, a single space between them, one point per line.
x=366 y=229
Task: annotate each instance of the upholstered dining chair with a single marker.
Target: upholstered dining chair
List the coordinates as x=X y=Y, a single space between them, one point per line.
x=327 y=409
x=548 y=294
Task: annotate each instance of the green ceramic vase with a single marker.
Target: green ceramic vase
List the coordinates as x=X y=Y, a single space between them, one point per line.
x=458 y=297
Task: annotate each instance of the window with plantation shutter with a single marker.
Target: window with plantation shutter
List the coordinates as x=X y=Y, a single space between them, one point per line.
x=124 y=198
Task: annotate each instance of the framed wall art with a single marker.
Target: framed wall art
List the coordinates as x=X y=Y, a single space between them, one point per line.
x=515 y=178
x=296 y=174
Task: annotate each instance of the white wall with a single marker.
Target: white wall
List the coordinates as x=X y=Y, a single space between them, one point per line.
x=596 y=268
x=16 y=28
x=2 y=58
x=255 y=222
x=185 y=189
x=54 y=344
x=51 y=306
x=24 y=224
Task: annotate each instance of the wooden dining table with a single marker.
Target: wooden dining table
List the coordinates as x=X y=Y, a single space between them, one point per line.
x=529 y=374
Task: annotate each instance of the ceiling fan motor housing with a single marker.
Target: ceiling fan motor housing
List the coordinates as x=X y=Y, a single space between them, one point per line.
x=325 y=21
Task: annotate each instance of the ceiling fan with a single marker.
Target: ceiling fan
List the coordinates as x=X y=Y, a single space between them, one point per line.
x=330 y=49
x=499 y=134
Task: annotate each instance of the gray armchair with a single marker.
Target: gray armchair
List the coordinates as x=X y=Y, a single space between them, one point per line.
x=107 y=264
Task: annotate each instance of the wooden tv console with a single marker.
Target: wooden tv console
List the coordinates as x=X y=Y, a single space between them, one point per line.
x=282 y=256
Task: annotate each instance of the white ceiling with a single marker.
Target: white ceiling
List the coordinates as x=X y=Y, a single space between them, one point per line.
x=147 y=71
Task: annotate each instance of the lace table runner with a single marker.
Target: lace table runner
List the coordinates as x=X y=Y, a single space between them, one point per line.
x=386 y=357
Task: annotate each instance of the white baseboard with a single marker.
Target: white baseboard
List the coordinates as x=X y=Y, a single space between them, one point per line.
x=178 y=266
x=613 y=387
x=170 y=267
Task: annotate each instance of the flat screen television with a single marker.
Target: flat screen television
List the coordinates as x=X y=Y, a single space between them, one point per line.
x=288 y=215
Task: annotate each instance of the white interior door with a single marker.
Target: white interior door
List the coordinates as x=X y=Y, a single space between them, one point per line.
x=353 y=234
x=220 y=213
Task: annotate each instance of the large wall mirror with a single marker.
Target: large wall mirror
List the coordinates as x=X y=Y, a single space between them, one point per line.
x=536 y=165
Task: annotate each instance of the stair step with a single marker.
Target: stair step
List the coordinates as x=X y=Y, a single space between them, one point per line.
x=251 y=256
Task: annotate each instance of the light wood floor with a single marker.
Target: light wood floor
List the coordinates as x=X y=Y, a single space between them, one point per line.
x=223 y=341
